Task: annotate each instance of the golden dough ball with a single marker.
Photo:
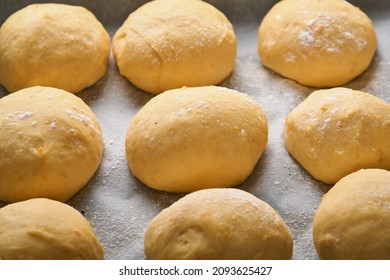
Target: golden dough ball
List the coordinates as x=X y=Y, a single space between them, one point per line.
x=52 y=45
x=194 y=138
x=50 y=144
x=353 y=220
x=335 y=132
x=218 y=224
x=167 y=44
x=319 y=43
x=44 y=229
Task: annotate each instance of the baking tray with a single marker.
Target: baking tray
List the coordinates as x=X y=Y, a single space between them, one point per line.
x=119 y=207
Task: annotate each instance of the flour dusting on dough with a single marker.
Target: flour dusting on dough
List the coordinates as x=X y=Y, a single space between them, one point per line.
x=26 y=115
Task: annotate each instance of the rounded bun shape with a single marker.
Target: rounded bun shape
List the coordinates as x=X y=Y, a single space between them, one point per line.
x=335 y=132
x=167 y=44
x=319 y=43
x=353 y=220
x=194 y=138
x=218 y=224
x=53 y=45
x=44 y=229
x=50 y=144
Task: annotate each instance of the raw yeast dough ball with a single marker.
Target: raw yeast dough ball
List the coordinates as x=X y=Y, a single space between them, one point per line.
x=194 y=138
x=320 y=43
x=218 y=224
x=353 y=220
x=338 y=131
x=50 y=144
x=44 y=229
x=168 y=44
x=52 y=45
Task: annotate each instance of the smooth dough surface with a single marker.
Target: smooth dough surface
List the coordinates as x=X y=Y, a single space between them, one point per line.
x=338 y=131
x=218 y=224
x=50 y=144
x=53 y=45
x=353 y=220
x=44 y=229
x=320 y=43
x=194 y=138
x=167 y=44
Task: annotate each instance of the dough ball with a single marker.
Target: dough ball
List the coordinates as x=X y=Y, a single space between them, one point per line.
x=319 y=43
x=218 y=224
x=195 y=138
x=338 y=131
x=353 y=220
x=50 y=144
x=44 y=229
x=52 y=45
x=168 y=44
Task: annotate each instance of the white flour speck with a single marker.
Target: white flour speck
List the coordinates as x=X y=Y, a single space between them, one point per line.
x=333 y=50
x=80 y=117
x=306 y=39
x=361 y=44
x=10 y=115
x=183 y=111
x=311 y=22
x=25 y=115
x=289 y=57
x=53 y=125
x=73 y=131
x=270 y=44
x=349 y=35
x=250 y=101
x=202 y=105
